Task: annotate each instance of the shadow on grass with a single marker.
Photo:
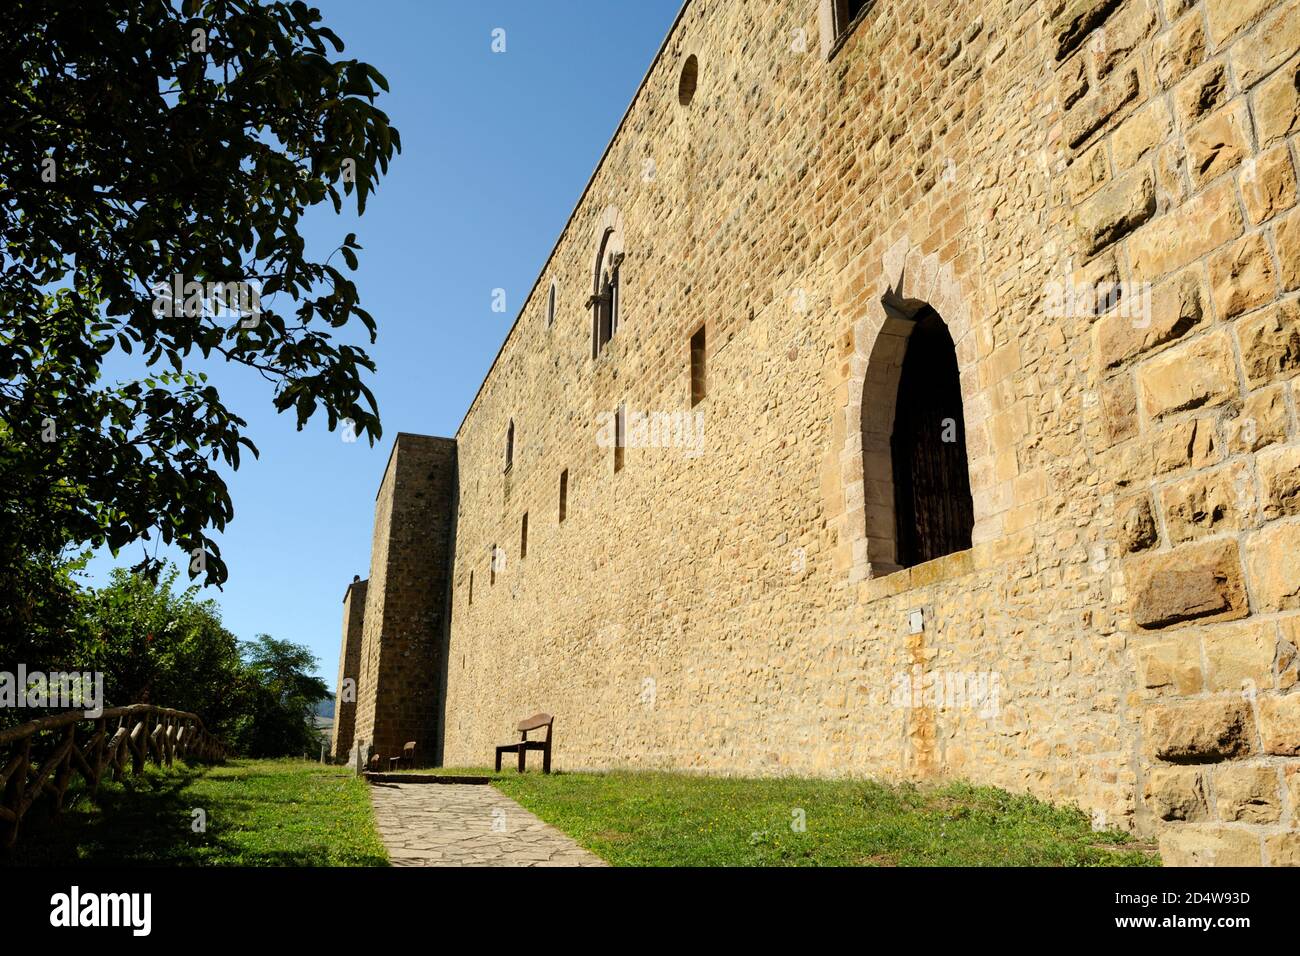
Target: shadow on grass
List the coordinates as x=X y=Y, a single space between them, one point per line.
x=140 y=821
x=272 y=813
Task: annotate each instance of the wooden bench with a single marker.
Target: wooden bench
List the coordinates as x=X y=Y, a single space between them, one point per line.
x=535 y=722
x=407 y=759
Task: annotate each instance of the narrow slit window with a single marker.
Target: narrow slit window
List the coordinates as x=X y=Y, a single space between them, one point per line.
x=564 y=494
x=471 y=588
x=510 y=445
x=492 y=565
x=619 y=437
x=699 y=376
x=523 y=537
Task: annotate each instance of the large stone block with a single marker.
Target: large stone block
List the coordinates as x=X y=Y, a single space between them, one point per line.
x=1201 y=372
x=1188 y=443
x=1283 y=849
x=1179 y=50
x=1208 y=502
x=1075 y=20
x=1195 y=582
x=1226 y=17
x=1141 y=133
x=1288 y=250
x=1117 y=210
x=1176 y=308
x=1099 y=107
x=1217 y=144
x=1279 y=474
x=1201 y=93
x=1270 y=343
x=1279 y=724
x=1260 y=52
x=1171 y=667
x=1241 y=276
x=1247 y=794
x=1136 y=525
x=1185 y=234
x=1119 y=407
x=1239 y=657
x=1198 y=731
x=1177 y=793
x=1268 y=184
x=1273 y=559
x=1088 y=172
x=1209 y=846
x=1072 y=82
x=1122 y=35
x=1277 y=105
x=1262 y=422
x=1171 y=180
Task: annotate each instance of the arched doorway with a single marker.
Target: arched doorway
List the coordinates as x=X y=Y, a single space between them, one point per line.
x=915 y=284
x=931 y=476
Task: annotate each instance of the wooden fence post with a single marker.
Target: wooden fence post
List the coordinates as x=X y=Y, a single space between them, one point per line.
x=17 y=786
x=145 y=731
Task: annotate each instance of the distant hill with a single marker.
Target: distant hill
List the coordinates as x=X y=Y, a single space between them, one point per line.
x=325 y=708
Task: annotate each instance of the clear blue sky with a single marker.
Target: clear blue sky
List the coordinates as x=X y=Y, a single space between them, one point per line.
x=496 y=149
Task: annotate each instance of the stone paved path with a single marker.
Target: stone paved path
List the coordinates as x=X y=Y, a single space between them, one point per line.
x=459 y=824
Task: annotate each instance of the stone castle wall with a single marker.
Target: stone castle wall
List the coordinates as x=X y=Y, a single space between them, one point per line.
x=1098 y=197
x=405 y=610
x=345 y=709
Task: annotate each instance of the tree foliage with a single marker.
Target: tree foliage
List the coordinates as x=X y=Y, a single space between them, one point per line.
x=277 y=717
x=141 y=141
x=157 y=643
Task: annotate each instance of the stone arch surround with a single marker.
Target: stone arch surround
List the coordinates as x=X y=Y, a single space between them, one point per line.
x=610 y=221
x=909 y=280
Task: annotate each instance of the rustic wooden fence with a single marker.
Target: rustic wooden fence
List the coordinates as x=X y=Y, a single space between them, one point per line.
x=143 y=732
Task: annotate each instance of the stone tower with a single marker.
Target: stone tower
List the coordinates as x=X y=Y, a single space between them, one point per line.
x=345 y=701
x=406 y=599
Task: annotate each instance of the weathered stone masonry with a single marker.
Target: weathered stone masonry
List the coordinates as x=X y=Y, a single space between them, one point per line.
x=406 y=599
x=345 y=705
x=1099 y=200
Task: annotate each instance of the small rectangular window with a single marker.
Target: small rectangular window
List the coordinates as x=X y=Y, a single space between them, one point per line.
x=699 y=379
x=564 y=494
x=619 y=438
x=492 y=566
x=523 y=537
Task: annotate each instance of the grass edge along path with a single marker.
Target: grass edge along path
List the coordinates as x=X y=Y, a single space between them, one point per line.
x=647 y=818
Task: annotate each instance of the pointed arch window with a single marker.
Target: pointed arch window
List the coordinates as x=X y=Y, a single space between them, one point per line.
x=510 y=445
x=606 y=292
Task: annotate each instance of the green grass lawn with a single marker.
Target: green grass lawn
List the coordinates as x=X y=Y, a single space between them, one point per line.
x=298 y=813
x=670 y=819
x=259 y=813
